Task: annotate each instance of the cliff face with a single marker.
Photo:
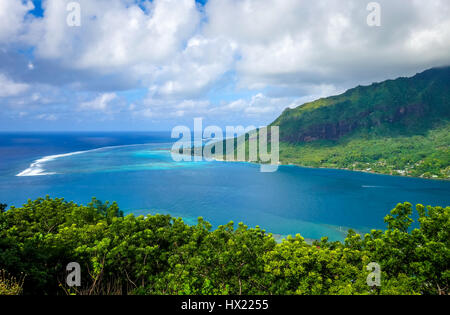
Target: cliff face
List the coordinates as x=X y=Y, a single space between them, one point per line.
x=365 y=119
x=401 y=106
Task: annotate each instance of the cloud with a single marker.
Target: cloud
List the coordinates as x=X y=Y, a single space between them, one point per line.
x=258 y=104
x=115 y=34
x=229 y=60
x=48 y=117
x=120 y=45
x=258 y=109
x=329 y=42
x=10 y=88
x=169 y=109
x=101 y=103
x=195 y=69
x=12 y=17
x=261 y=106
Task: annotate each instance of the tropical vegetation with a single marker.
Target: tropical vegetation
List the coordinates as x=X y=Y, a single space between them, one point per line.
x=397 y=127
x=160 y=254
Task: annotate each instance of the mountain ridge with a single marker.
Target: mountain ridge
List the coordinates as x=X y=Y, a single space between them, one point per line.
x=398 y=127
x=403 y=101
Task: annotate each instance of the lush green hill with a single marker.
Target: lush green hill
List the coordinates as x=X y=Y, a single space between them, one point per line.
x=395 y=127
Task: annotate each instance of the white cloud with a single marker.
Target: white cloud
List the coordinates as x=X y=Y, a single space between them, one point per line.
x=260 y=108
x=12 y=13
x=258 y=105
x=101 y=103
x=178 y=50
x=168 y=109
x=11 y=88
x=292 y=43
x=115 y=34
x=49 y=117
x=284 y=53
x=195 y=69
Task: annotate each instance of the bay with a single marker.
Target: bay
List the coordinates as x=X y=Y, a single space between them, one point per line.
x=137 y=171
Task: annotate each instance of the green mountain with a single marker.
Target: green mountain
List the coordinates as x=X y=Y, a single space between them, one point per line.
x=398 y=127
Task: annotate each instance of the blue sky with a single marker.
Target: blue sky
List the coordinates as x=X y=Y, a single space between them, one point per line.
x=153 y=65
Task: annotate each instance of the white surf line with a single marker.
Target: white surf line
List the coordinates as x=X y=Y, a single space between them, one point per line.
x=36 y=168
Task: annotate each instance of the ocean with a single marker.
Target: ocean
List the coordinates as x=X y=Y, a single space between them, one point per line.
x=136 y=170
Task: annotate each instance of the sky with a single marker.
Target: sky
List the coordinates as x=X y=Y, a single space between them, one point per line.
x=153 y=65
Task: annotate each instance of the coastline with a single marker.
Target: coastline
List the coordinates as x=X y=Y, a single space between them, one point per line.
x=367 y=172
x=340 y=169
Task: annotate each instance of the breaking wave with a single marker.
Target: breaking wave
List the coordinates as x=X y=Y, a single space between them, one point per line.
x=37 y=167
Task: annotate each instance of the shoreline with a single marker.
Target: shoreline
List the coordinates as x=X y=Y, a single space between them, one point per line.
x=366 y=172
x=341 y=169
x=337 y=169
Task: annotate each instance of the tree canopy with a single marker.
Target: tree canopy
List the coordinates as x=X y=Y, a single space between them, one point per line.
x=160 y=254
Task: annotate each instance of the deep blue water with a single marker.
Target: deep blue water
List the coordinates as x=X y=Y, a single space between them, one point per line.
x=137 y=171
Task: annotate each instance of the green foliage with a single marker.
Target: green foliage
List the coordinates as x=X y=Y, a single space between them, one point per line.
x=224 y=261
x=405 y=106
x=425 y=155
x=159 y=254
x=397 y=127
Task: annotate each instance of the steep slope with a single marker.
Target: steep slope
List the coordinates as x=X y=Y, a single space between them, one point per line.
x=395 y=127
